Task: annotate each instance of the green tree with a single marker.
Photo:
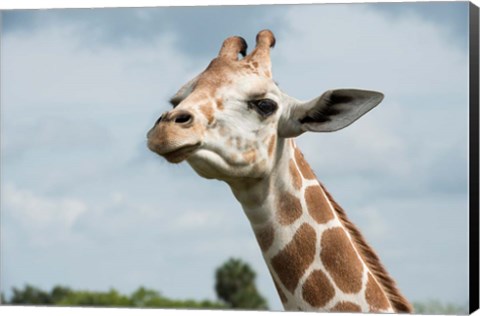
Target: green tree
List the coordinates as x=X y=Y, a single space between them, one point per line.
x=434 y=307
x=91 y=298
x=143 y=297
x=60 y=293
x=235 y=285
x=65 y=296
x=30 y=295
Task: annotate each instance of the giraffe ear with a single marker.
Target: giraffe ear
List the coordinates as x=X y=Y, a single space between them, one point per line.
x=333 y=110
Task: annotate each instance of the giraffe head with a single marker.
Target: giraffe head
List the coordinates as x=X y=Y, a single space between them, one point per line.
x=228 y=121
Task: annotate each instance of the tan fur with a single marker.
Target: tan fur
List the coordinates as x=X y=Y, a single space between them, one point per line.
x=167 y=135
x=317 y=289
x=346 y=307
x=261 y=53
x=250 y=68
x=341 y=261
x=199 y=96
x=271 y=145
x=265 y=237
x=374 y=295
x=317 y=205
x=231 y=47
x=399 y=303
x=207 y=111
x=290 y=264
x=220 y=104
x=303 y=165
x=289 y=208
x=296 y=179
x=250 y=155
x=218 y=74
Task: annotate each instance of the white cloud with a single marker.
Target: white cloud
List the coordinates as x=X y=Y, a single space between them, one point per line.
x=198 y=219
x=53 y=134
x=63 y=76
x=354 y=46
x=40 y=215
x=375 y=223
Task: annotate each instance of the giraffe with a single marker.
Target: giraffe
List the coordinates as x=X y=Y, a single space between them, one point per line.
x=233 y=123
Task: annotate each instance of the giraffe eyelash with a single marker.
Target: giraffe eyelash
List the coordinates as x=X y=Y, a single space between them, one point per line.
x=264 y=107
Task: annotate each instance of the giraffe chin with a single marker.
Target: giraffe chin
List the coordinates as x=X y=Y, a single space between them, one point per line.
x=210 y=164
x=180 y=154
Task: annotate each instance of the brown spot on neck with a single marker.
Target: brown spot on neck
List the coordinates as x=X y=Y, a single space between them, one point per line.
x=398 y=301
x=346 y=307
x=341 y=260
x=290 y=263
x=303 y=165
x=265 y=237
x=317 y=204
x=374 y=296
x=317 y=289
x=289 y=208
x=296 y=178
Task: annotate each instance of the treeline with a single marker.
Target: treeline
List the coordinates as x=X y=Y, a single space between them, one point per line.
x=234 y=285
x=434 y=307
x=142 y=297
x=65 y=296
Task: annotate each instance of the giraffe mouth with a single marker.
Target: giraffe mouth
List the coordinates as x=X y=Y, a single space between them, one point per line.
x=180 y=154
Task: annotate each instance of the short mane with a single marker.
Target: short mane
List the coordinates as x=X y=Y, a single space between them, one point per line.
x=398 y=301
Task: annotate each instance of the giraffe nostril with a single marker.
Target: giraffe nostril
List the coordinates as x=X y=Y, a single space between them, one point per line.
x=183 y=118
x=178 y=117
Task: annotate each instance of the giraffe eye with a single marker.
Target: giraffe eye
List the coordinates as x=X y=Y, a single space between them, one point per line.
x=264 y=107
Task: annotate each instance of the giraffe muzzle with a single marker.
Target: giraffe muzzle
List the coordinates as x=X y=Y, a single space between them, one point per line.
x=173 y=137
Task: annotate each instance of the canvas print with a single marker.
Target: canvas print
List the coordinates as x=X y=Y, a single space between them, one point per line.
x=281 y=157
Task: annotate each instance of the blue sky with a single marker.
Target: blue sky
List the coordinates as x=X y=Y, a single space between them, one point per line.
x=85 y=204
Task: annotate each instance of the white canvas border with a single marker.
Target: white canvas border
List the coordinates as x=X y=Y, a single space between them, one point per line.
x=50 y=4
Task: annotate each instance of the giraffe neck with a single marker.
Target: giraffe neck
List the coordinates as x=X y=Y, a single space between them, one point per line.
x=310 y=252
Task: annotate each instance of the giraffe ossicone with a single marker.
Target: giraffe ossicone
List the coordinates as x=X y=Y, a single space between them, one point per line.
x=234 y=124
